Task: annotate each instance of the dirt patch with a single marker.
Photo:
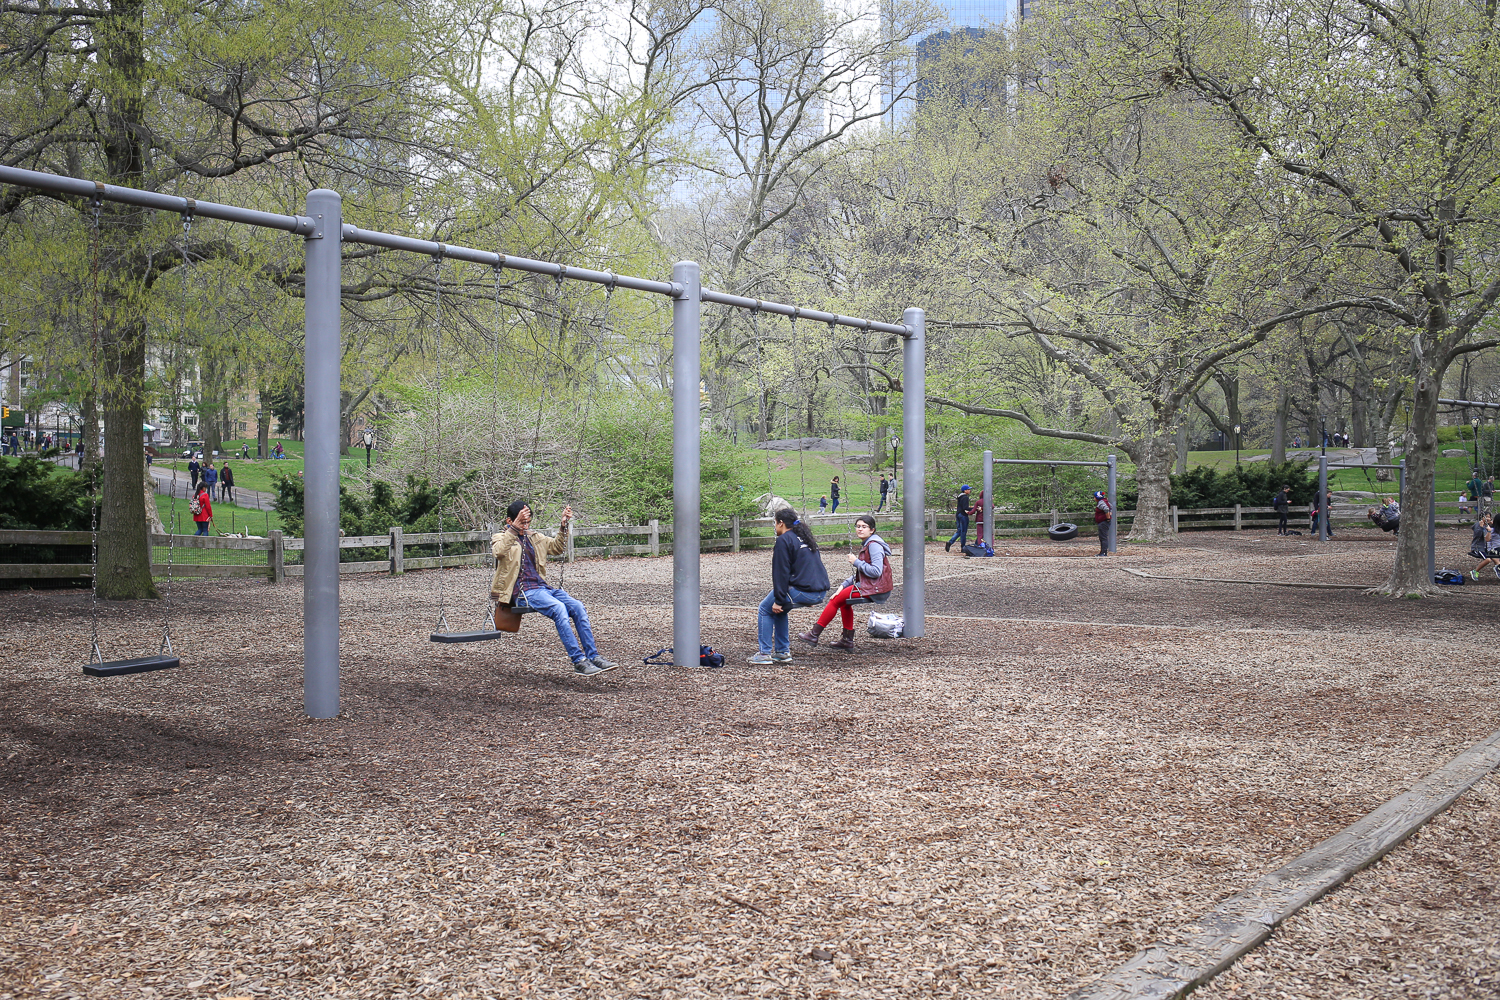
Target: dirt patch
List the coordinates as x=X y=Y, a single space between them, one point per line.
x=1072 y=762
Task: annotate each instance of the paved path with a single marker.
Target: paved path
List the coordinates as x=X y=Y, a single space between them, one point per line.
x=254 y=499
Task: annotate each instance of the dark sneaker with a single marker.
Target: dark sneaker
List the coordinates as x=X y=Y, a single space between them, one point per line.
x=586 y=668
x=761 y=658
x=602 y=663
x=782 y=657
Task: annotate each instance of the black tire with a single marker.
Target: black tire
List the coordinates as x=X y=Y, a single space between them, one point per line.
x=1062 y=532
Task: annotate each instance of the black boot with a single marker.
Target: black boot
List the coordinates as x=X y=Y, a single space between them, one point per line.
x=845 y=641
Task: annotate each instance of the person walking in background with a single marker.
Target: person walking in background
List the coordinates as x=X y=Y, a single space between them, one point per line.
x=1282 y=504
x=202 y=509
x=210 y=476
x=226 y=484
x=885 y=487
x=1104 y=520
x=823 y=504
x=1474 y=487
x=833 y=492
x=961 y=510
x=193 y=473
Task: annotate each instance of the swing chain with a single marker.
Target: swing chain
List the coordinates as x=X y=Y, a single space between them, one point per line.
x=95 y=655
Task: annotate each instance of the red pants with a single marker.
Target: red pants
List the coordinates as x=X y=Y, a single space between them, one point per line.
x=837 y=603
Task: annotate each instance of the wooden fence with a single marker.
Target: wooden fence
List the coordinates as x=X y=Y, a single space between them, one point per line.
x=735 y=535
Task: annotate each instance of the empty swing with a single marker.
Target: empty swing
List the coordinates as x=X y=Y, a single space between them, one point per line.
x=165 y=657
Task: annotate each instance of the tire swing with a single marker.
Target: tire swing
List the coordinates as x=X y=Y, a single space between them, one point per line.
x=1062 y=531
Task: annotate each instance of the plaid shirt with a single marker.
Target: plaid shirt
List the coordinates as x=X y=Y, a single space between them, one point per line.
x=529 y=579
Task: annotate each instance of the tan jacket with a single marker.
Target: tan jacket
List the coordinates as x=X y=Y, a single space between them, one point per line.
x=507 y=548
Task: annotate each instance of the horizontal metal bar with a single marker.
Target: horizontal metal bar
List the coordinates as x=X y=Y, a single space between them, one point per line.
x=797 y=312
x=1469 y=403
x=353 y=234
x=1336 y=465
x=298 y=224
x=1043 y=461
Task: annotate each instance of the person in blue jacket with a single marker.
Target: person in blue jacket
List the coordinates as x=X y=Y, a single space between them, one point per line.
x=798 y=578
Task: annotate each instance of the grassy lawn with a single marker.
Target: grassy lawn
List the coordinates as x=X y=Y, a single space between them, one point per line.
x=253 y=474
x=802 y=477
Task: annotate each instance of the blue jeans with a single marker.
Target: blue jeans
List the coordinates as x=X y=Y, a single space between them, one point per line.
x=772 y=627
x=835 y=506
x=961 y=533
x=202 y=528
x=559 y=605
x=881 y=503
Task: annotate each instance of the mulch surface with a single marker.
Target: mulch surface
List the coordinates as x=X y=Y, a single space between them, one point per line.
x=1072 y=763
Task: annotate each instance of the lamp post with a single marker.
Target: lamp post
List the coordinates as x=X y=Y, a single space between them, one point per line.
x=1236 y=446
x=260 y=442
x=369 y=443
x=895 y=444
x=1474 y=423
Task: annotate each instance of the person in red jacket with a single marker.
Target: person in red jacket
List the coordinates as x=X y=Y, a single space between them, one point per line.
x=1104 y=520
x=205 y=509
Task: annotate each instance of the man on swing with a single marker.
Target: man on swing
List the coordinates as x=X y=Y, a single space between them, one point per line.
x=521 y=578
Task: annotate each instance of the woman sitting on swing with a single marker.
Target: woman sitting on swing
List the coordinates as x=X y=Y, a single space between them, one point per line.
x=872 y=577
x=798 y=579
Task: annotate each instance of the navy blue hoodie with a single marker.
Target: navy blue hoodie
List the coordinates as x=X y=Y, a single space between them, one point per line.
x=793 y=564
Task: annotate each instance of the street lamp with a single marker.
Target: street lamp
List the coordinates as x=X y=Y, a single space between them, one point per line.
x=1236 y=446
x=1474 y=423
x=369 y=443
x=895 y=443
x=260 y=442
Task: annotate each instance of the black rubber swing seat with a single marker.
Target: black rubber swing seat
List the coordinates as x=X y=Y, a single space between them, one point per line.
x=872 y=599
x=1062 y=532
x=139 y=665
x=483 y=634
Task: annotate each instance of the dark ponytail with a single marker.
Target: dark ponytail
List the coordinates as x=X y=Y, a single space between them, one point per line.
x=788 y=517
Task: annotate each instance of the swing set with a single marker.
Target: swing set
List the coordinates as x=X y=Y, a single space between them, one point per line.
x=324 y=234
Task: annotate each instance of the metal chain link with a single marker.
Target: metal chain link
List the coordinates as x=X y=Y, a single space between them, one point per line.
x=95 y=656
x=442 y=625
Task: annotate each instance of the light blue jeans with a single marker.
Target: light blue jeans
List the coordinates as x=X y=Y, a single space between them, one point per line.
x=776 y=628
x=560 y=606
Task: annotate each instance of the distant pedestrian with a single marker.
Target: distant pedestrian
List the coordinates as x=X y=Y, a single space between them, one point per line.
x=961 y=511
x=1282 y=504
x=202 y=509
x=823 y=504
x=1487 y=495
x=833 y=491
x=245 y=452
x=1296 y=440
x=226 y=484
x=194 y=472
x=1463 y=504
x=885 y=487
x=210 y=476
x=1104 y=520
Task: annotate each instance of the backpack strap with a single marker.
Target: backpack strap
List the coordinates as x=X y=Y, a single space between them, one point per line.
x=661 y=658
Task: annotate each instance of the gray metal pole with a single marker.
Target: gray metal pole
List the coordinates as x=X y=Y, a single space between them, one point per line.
x=987 y=516
x=1322 y=495
x=320 y=582
x=1114 y=524
x=687 y=418
x=914 y=430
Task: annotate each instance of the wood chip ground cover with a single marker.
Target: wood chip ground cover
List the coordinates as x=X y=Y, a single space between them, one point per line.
x=1073 y=763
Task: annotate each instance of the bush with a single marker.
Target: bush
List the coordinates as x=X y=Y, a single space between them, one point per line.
x=1250 y=485
x=39 y=496
x=415 y=509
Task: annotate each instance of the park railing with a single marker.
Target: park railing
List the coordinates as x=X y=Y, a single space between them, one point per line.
x=59 y=555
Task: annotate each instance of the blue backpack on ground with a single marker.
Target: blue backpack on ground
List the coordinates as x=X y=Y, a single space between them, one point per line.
x=706 y=657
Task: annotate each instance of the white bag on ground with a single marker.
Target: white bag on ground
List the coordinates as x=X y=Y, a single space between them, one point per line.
x=885 y=626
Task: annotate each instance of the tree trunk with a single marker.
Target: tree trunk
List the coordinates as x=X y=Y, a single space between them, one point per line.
x=1409 y=573
x=124 y=570
x=1182 y=449
x=210 y=409
x=1278 y=426
x=344 y=397
x=262 y=426
x=1153 y=515
x=1359 y=415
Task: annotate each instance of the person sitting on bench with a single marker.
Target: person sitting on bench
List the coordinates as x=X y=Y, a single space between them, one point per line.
x=797 y=580
x=872 y=577
x=521 y=578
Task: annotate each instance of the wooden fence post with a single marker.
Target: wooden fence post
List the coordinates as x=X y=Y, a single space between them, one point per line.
x=398 y=550
x=734 y=533
x=655 y=537
x=1174 y=519
x=1236 y=517
x=276 y=557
